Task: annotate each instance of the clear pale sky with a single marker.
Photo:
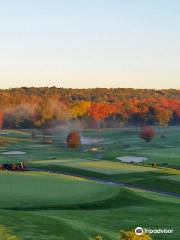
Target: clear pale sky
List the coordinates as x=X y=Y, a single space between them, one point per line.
x=90 y=43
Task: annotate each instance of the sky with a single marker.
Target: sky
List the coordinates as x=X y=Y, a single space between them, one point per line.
x=90 y=43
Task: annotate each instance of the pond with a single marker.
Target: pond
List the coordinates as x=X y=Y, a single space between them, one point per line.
x=13 y=153
x=129 y=159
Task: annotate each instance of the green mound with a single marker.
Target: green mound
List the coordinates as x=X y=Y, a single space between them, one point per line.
x=40 y=190
x=123 y=211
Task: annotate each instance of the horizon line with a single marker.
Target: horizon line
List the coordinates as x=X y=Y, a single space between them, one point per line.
x=155 y=89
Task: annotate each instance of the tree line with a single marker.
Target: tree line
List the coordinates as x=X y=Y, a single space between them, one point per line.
x=41 y=107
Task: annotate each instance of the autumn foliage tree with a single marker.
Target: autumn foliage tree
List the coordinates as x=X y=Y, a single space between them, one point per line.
x=1 y=119
x=147 y=133
x=42 y=107
x=100 y=111
x=80 y=108
x=73 y=140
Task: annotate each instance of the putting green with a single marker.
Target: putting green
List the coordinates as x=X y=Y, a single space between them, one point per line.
x=102 y=166
x=43 y=190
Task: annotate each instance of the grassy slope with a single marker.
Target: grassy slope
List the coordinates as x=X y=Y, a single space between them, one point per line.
x=37 y=190
x=158 y=180
x=123 y=211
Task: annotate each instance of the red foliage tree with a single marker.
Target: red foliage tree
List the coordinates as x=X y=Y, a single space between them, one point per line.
x=73 y=140
x=147 y=133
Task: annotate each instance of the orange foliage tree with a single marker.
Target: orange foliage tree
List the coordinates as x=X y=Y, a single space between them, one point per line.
x=100 y=111
x=43 y=106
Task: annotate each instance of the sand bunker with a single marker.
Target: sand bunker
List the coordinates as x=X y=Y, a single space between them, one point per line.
x=86 y=140
x=13 y=153
x=130 y=159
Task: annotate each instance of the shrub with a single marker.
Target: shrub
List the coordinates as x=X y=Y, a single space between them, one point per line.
x=5 y=234
x=98 y=237
x=73 y=140
x=47 y=140
x=131 y=235
x=147 y=133
x=127 y=235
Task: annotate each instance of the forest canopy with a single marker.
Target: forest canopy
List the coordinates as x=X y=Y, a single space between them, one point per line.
x=113 y=107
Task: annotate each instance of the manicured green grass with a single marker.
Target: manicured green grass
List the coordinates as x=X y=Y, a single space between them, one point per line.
x=172 y=177
x=157 y=180
x=126 y=210
x=44 y=206
x=42 y=190
x=101 y=166
x=160 y=150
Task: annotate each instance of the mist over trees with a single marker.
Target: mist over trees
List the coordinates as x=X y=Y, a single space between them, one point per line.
x=100 y=107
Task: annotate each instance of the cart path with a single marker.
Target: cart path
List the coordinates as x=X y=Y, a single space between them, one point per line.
x=105 y=181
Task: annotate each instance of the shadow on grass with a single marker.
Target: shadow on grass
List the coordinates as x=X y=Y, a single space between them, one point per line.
x=125 y=198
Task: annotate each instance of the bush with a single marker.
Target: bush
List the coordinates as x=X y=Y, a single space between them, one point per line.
x=5 y=234
x=98 y=237
x=127 y=235
x=73 y=140
x=147 y=133
x=131 y=235
x=47 y=140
